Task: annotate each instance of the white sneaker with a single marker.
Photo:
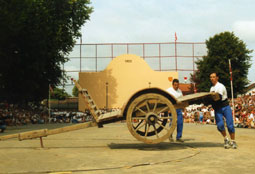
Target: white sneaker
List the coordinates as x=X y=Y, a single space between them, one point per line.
x=226 y=143
x=233 y=145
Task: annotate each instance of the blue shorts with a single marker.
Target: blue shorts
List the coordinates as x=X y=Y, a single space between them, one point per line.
x=227 y=113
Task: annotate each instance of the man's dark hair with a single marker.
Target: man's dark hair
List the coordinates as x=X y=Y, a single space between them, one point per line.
x=175 y=81
x=217 y=75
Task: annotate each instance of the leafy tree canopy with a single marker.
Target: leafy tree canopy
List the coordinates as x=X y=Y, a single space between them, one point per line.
x=221 y=48
x=59 y=94
x=75 y=91
x=36 y=37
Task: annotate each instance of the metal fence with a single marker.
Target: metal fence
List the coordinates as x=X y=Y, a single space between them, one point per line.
x=170 y=56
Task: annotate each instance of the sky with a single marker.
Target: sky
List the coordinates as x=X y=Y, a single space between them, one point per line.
x=149 y=21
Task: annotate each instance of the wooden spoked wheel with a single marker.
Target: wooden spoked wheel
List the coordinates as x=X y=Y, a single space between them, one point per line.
x=151 y=118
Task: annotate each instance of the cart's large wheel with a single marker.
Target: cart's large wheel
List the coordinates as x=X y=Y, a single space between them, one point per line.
x=151 y=118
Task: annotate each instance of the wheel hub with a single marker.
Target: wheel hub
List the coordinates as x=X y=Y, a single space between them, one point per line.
x=151 y=118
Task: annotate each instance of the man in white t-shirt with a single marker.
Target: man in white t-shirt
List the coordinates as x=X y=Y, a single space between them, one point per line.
x=251 y=119
x=222 y=109
x=176 y=92
x=251 y=116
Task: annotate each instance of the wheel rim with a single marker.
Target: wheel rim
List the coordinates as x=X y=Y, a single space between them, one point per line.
x=148 y=119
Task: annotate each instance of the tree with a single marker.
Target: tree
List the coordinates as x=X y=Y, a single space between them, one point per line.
x=75 y=91
x=36 y=37
x=59 y=94
x=221 y=48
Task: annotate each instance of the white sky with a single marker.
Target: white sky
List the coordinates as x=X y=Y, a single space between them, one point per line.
x=143 y=21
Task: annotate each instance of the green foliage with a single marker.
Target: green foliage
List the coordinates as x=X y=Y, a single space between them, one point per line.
x=221 y=48
x=75 y=91
x=36 y=37
x=59 y=94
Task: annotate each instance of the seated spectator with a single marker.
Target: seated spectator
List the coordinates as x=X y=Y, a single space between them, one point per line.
x=75 y=119
x=212 y=115
x=208 y=121
x=237 y=122
x=40 y=120
x=250 y=120
x=196 y=117
x=34 y=119
x=201 y=116
x=2 y=124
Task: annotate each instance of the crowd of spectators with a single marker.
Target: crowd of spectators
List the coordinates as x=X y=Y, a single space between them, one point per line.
x=12 y=115
x=244 y=108
x=199 y=114
x=243 y=111
x=69 y=117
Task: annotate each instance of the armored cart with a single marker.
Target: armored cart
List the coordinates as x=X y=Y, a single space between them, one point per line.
x=150 y=115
